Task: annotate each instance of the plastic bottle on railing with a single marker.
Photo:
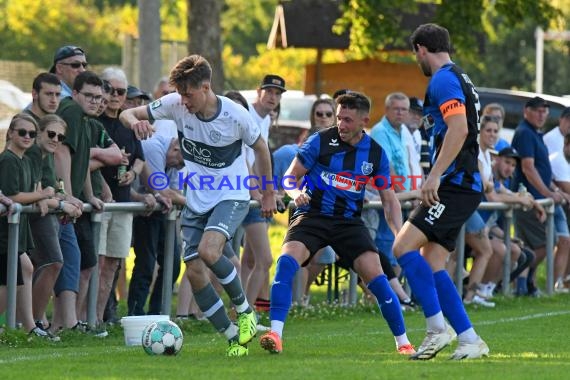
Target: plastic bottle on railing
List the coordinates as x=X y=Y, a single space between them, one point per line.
x=523 y=193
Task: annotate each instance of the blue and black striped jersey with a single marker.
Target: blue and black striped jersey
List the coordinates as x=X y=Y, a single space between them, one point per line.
x=447 y=84
x=338 y=173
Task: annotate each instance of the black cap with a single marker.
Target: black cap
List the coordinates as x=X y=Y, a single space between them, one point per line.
x=565 y=113
x=65 y=52
x=416 y=105
x=134 y=92
x=272 y=80
x=509 y=152
x=536 y=102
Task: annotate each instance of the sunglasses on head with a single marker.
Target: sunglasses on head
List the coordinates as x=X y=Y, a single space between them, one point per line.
x=52 y=134
x=74 y=65
x=118 y=91
x=323 y=114
x=25 y=132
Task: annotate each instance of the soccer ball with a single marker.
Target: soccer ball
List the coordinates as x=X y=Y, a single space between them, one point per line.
x=162 y=338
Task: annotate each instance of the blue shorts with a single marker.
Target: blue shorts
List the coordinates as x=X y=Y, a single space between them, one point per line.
x=560 y=222
x=254 y=216
x=474 y=224
x=68 y=278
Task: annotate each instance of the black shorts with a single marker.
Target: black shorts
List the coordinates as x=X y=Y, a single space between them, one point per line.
x=442 y=222
x=4 y=270
x=349 y=238
x=84 y=233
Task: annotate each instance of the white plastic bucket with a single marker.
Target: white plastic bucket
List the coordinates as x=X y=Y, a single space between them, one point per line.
x=133 y=327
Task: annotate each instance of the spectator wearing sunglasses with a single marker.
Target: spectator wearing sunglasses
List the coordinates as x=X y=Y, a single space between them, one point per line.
x=68 y=62
x=47 y=256
x=322 y=115
x=17 y=182
x=117 y=227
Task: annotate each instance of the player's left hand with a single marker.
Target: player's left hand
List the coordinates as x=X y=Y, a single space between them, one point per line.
x=429 y=191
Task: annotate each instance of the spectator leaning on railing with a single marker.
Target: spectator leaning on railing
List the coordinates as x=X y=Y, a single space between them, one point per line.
x=535 y=174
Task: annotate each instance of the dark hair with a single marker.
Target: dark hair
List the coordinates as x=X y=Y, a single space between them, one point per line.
x=86 y=77
x=236 y=96
x=354 y=100
x=48 y=78
x=190 y=71
x=434 y=37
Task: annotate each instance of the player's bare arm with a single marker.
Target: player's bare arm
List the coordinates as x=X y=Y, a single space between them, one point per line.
x=392 y=210
x=292 y=182
x=263 y=164
x=137 y=120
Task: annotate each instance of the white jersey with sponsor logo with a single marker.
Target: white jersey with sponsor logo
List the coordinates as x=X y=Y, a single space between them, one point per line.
x=212 y=150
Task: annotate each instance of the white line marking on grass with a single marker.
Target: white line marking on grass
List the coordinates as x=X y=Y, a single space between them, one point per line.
x=52 y=355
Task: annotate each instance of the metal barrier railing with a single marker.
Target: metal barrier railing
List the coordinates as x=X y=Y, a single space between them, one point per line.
x=14 y=221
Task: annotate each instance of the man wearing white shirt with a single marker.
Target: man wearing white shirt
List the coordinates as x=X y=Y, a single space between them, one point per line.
x=554 y=139
x=256 y=248
x=560 y=164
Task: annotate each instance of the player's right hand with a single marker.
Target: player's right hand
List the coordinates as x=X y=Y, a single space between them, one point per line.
x=142 y=129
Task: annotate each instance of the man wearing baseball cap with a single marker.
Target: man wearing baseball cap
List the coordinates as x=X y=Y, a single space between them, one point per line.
x=535 y=174
x=68 y=62
x=254 y=224
x=272 y=80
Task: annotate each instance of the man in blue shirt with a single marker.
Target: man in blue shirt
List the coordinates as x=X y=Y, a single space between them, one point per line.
x=68 y=62
x=335 y=164
x=535 y=174
x=450 y=194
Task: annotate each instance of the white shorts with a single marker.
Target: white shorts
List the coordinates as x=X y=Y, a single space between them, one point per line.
x=116 y=234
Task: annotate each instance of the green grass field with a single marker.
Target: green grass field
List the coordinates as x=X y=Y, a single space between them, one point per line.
x=528 y=339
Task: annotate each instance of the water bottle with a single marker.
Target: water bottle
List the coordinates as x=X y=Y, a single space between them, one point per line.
x=122 y=169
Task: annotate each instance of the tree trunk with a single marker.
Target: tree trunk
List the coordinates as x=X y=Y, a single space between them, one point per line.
x=205 y=36
x=150 y=63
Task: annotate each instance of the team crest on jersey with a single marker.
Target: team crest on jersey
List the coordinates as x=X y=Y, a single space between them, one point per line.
x=366 y=168
x=215 y=136
x=154 y=105
x=333 y=142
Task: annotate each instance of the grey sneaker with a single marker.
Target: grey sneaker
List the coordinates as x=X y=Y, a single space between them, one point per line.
x=433 y=343
x=474 y=350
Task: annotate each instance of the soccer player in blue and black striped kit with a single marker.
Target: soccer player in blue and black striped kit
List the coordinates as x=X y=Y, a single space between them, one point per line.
x=450 y=194
x=327 y=180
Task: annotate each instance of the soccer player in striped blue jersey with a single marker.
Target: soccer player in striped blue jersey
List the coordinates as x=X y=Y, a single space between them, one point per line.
x=327 y=181
x=450 y=194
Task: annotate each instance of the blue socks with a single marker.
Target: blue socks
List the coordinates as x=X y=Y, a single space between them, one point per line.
x=421 y=280
x=389 y=304
x=282 y=288
x=451 y=304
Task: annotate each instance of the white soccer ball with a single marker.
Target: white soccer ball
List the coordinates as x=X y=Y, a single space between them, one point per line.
x=162 y=338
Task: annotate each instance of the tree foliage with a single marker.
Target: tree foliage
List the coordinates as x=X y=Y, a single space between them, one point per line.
x=31 y=30
x=375 y=24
